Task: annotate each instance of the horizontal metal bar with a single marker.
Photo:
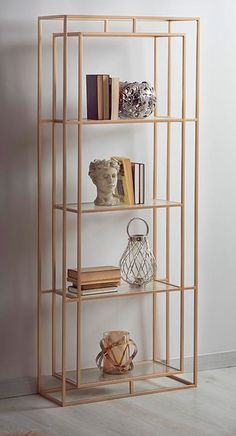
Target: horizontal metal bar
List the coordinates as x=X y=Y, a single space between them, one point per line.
x=120 y=34
x=72 y=299
x=116 y=18
x=122 y=121
x=132 y=394
x=120 y=381
x=179 y=379
x=120 y=208
x=50 y=397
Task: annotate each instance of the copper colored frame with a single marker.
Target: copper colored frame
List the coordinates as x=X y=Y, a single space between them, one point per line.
x=78 y=382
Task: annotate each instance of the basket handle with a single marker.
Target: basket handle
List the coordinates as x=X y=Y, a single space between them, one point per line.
x=140 y=219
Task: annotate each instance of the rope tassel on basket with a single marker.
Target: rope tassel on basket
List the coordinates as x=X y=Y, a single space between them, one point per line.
x=138 y=263
x=116 y=357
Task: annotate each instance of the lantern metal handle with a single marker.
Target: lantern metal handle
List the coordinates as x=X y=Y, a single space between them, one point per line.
x=140 y=219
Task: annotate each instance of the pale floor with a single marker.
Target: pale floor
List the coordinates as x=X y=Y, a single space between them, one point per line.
x=208 y=410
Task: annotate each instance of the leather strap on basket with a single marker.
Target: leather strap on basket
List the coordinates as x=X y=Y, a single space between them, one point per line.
x=128 y=365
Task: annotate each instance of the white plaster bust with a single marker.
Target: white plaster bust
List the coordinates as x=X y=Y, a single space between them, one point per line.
x=104 y=175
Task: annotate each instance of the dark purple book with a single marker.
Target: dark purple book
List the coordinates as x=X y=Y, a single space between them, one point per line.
x=92 y=97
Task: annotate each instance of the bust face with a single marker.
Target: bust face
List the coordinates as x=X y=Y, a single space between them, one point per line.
x=106 y=180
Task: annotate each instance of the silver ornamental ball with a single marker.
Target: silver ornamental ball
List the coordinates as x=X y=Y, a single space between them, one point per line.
x=137 y=100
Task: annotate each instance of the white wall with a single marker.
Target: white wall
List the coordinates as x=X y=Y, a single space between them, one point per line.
x=217 y=242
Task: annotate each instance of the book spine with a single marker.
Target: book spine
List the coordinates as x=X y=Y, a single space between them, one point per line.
x=100 y=96
x=105 y=97
x=96 y=276
x=91 y=90
x=114 y=98
x=129 y=181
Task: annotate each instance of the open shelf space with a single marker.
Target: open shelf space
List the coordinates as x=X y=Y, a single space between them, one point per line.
x=159 y=119
x=91 y=208
x=117 y=390
x=91 y=377
x=126 y=290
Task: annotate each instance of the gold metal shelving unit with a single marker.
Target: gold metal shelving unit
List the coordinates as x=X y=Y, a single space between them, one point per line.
x=88 y=385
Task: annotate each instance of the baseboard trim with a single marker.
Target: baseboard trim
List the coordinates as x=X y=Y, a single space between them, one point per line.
x=17 y=387
x=27 y=385
x=208 y=361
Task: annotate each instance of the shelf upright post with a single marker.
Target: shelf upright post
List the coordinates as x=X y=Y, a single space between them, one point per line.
x=169 y=52
x=64 y=212
x=182 y=244
x=54 y=81
x=39 y=219
x=154 y=302
x=79 y=202
x=196 y=170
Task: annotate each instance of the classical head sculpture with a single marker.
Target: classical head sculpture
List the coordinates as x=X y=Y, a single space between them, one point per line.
x=104 y=175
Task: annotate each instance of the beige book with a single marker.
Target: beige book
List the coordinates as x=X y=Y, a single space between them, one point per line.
x=96 y=273
x=126 y=177
x=106 y=111
x=114 y=81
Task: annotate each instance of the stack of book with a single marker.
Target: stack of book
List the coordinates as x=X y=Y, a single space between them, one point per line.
x=131 y=181
x=95 y=280
x=102 y=97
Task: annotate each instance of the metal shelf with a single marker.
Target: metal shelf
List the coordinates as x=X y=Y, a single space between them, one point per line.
x=91 y=208
x=89 y=385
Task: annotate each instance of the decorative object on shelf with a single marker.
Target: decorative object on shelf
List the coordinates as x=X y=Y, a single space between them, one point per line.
x=138 y=263
x=102 y=97
x=138 y=173
x=116 y=357
x=137 y=100
x=125 y=188
x=104 y=175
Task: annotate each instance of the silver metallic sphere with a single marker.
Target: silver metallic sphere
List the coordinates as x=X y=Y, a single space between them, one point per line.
x=137 y=100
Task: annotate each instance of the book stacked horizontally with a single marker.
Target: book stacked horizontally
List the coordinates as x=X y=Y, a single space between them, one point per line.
x=131 y=181
x=94 y=280
x=102 y=97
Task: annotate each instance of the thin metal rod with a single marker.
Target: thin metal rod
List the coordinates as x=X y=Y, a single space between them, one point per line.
x=123 y=121
x=79 y=206
x=64 y=215
x=39 y=194
x=131 y=387
x=53 y=212
x=120 y=34
x=105 y=25
x=154 y=298
x=169 y=66
x=182 y=248
x=135 y=394
x=196 y=205
x=134 y=25
x=116 y=18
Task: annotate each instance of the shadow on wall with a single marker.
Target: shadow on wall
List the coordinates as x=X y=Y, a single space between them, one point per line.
x=18 y=90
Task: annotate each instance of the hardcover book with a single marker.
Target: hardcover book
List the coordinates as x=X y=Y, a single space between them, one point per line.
x=138 y=172
x=125 y=188
x=95 y=274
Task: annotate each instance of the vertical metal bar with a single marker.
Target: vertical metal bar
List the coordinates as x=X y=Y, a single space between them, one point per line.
x=131 y=387
x=105 y=25
x=134 y=25
x=168 y=194
x=39 y=194
x=64 y=212
x=79 y=201
x=154 y=303
x=196 y=205
x=54 y=80
x=182 y=248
